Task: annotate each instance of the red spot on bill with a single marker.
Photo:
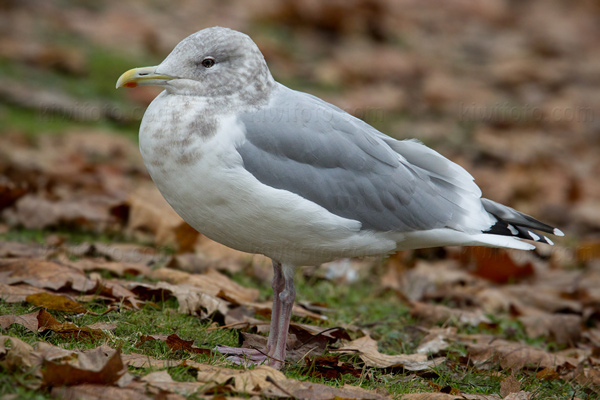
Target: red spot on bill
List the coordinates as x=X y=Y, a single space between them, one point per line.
x=130 y=84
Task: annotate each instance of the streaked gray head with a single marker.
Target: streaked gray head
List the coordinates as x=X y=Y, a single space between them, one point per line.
x=217 y=62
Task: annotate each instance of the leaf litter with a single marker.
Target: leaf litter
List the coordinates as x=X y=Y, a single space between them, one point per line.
x=540 y=311
x=459 y=291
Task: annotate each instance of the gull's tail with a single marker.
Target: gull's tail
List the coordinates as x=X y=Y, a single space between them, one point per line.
x=516 y=224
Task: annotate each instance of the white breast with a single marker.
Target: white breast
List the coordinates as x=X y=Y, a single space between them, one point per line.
x=201 y=175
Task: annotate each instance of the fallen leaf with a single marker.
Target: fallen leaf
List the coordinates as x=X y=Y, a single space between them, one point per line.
x=330 y=367
x=146 y=338
x=150 y=212
x=318 y=391
x=366 y=348
x=101 y=365
x=521 y=395
x=145 y=361
x=103 y=326
x=253 y=381
x=10 y=192
x=561 y=328
x=25 y=250
x=176 y=343
x=496 y=265
x=509 y=385
x=212 y=282
x=29 y=321
x=265 y=309
x=428 y=278
x=115 y=290
x=17 y=293
x=547 y=374
x=16 y=356
x=437 y=313
x=431 y=396
x=67 y=329
x=56 y=302
x=436 y=340
x=445 y=396
x=163 y=381
x=45 y=274
x=33 y=211
x=98 y=392
x=114 y=267
x=511 y=355
x=49 y=352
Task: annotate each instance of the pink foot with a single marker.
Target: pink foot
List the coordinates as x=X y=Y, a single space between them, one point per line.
x=247 y=357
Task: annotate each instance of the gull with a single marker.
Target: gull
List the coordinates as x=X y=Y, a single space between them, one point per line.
x=265 y=169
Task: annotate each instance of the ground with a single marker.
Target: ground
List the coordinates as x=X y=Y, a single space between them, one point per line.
x=102 y=286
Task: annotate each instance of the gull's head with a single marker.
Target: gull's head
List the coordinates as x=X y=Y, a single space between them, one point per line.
x=212 y=62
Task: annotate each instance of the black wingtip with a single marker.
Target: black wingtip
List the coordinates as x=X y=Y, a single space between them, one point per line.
x=504 y=228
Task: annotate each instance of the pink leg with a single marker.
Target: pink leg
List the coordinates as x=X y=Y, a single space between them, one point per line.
x=283 y=300
x=281 y=322
x=278 y=285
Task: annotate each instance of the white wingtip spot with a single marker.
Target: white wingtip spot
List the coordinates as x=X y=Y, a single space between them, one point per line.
x=558 y=232
x=550 y=242
x=512 y=229
x=534 y=236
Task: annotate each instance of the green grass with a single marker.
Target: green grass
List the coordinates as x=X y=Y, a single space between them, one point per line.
x=360 y=303
x=91 y=91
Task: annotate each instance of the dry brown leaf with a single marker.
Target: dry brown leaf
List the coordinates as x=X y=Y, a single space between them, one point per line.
x=318 y=391
x=330 y=367
x=561 y=328
x=437 y=313
x=445 y=396
x=427 y=278
x=511 y=355
x=366 y=348
x=126 y=253
x=589 y=377
x=146 y=338
x=192 y=300
x=509 y=385
x=212 y=282
x=101 y=365
x=16 y=356
x=103 y=326
x=25 y=250
x=252 y=381
x=115 y=290
x=29 y=321
x=36 y=212
x=163 y=381
x=67 y=329
x=114 y=267
x=17 y=293
x=144 y=361
x=176 y=343
x=45 y=274
x=265 y=309
x=49 y=352
x=496 y=265
x=150 y=212
x=430 y=396
x=243 y=317
x=521 y=395
x=56 y=302
x=98 y=392
x=436 y=340
x=547 y=299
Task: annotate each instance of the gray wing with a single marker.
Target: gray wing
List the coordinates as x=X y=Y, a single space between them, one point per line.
x=306 y=146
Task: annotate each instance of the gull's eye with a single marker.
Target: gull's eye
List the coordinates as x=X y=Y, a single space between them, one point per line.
x=208 y=62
